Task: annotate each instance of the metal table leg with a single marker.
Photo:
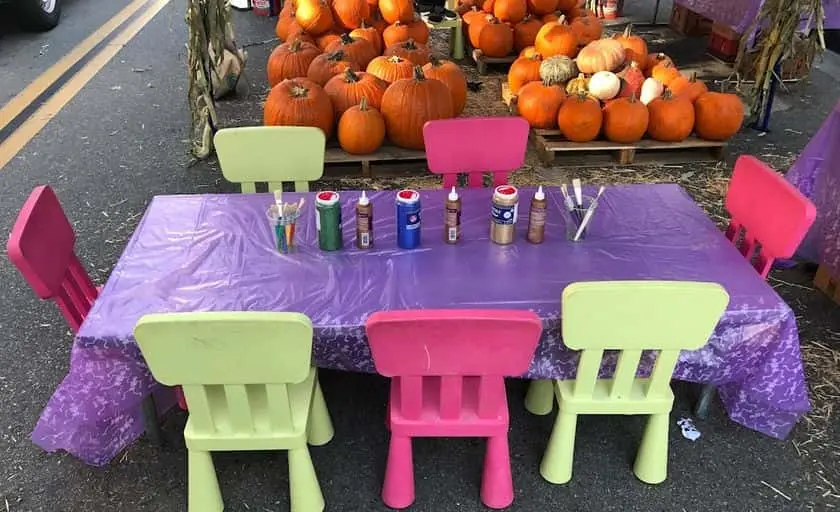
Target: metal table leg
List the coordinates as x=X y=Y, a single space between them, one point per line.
x=707 y=394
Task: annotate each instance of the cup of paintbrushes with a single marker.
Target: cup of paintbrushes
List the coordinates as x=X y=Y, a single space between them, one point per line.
x=575 y=215
x=284 y=222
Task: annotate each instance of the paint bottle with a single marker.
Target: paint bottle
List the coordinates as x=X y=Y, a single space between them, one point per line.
x=536 y=218
x=328 y=220
x=503 y=214
x=408 y=219
x=364 y=222
x=452 y=218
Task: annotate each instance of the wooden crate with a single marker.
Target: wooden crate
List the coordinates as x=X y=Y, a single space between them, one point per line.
x=550 y=143
x=335 y=157
x=482 y=61
x=827 y=283
x=686 y=22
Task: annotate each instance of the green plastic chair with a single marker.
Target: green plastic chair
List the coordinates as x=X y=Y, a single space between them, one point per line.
x=628 y=316
x=271 y=154
x=249 y=385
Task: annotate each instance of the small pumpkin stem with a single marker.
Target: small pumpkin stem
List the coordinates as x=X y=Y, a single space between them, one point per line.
x=299 y=91
x=434 y=61
x=667 y=95
x=409 y=45
x=418 y=73
x=346 y=39
x=336 y=56
x=562 y=19
x=363 y=105
x=295 y=46
x=633 y=98
x=350 y=76
x=628 y=31
x=693 y=77
x=396 y=59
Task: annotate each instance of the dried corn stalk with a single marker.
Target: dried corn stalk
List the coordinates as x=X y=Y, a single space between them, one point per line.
x=210 y=33
x=780 y=21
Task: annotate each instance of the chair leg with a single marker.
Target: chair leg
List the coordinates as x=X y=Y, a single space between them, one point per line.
x=151 y=422
x=320 y=428
x=496 y=481
x=304 y=490
x=540 y=397
x=398 y=489
x=203 y=490
x=652 y=459
x=556 y=466
x=704 y=401
x=457 y=41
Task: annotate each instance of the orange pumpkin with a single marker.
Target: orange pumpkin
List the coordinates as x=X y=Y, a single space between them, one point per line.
x=488 y=6
x=397 y=10
x=371 y=34
x=600 y=55
x=539 y=103
x=473 y=14
x=556 y=38
x=688 y=88
x=524 y=70
x=632 y=80
x=409 y=50
x=496 y=39
x=453 y=77
x=525 y=32
x=400 y=32
x=290 y=60
x=512 y=11
x=541 y=7
x=299 y=102
x=361 y=129
x=349 y=14
x=587 y=29
x=625 y=120
x=665 y=73
x=636 y=46
x=580 y=118
x=286 y=24
x=349 y=88
x=409 y=103
x=288 y=9
x=717 y=115
x=327 y=65
x=653 y=59
x=314 y=16
x=671 y=118
x=378 y=22
x=360 y=50
x=476 y=25
x=391 y=69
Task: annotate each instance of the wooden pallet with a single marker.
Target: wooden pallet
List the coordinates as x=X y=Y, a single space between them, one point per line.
x=482 y=61
x=336 y=157
x=550 y=143
x=827 y=283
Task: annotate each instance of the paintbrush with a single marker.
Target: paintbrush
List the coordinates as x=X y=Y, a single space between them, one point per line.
x=588 y=216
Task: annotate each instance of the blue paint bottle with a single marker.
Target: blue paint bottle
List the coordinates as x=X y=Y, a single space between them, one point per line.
x=408 y=219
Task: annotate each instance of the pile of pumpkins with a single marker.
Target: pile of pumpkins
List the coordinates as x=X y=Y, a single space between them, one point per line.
x=589 y=86
x=360 y=69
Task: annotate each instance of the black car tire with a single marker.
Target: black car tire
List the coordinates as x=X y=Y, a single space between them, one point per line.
x=33 y=16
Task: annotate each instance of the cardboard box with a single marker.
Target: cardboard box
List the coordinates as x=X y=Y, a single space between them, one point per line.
x=724 y=42
x=688 y=23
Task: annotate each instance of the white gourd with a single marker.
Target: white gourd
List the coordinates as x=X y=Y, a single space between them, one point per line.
x=651 y=89
x=604 y=85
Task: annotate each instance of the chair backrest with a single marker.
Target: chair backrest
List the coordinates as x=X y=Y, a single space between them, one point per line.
x=767 y=211
x=475 y=145
x=633 y=316
x=271 y=154
x=234 y=367
x=453 y=347
x=41 y=246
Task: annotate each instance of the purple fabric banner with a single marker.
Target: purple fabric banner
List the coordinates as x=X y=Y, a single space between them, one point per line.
x=739 y=14
x=217 y=252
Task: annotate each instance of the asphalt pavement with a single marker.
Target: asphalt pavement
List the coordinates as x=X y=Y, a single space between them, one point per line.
x=121 y=141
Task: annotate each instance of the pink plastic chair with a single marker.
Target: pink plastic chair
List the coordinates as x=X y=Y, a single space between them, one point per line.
x=41 y=246
x=475 y=145
x=448 y=369
x=770 y=217
x=767 y=212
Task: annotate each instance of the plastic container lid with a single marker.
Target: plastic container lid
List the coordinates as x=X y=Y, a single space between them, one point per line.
x=540 y=195
x=327 y=198
x=408 y=196
x=364 y=201
x=506 y=190
x=453 y=195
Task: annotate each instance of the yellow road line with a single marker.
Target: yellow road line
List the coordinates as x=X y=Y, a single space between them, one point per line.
x=19 y=138
x=40 y=84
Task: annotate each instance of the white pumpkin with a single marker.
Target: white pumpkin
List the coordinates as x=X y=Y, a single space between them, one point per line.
x=651 y=89
x=604 y=85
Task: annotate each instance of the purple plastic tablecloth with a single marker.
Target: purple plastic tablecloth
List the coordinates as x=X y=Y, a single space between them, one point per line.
x=216 y=252
x=816 y=173
x=739 y=14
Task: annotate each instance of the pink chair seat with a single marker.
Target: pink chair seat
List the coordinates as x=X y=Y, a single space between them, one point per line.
x=475 y=145
x=447 y=370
